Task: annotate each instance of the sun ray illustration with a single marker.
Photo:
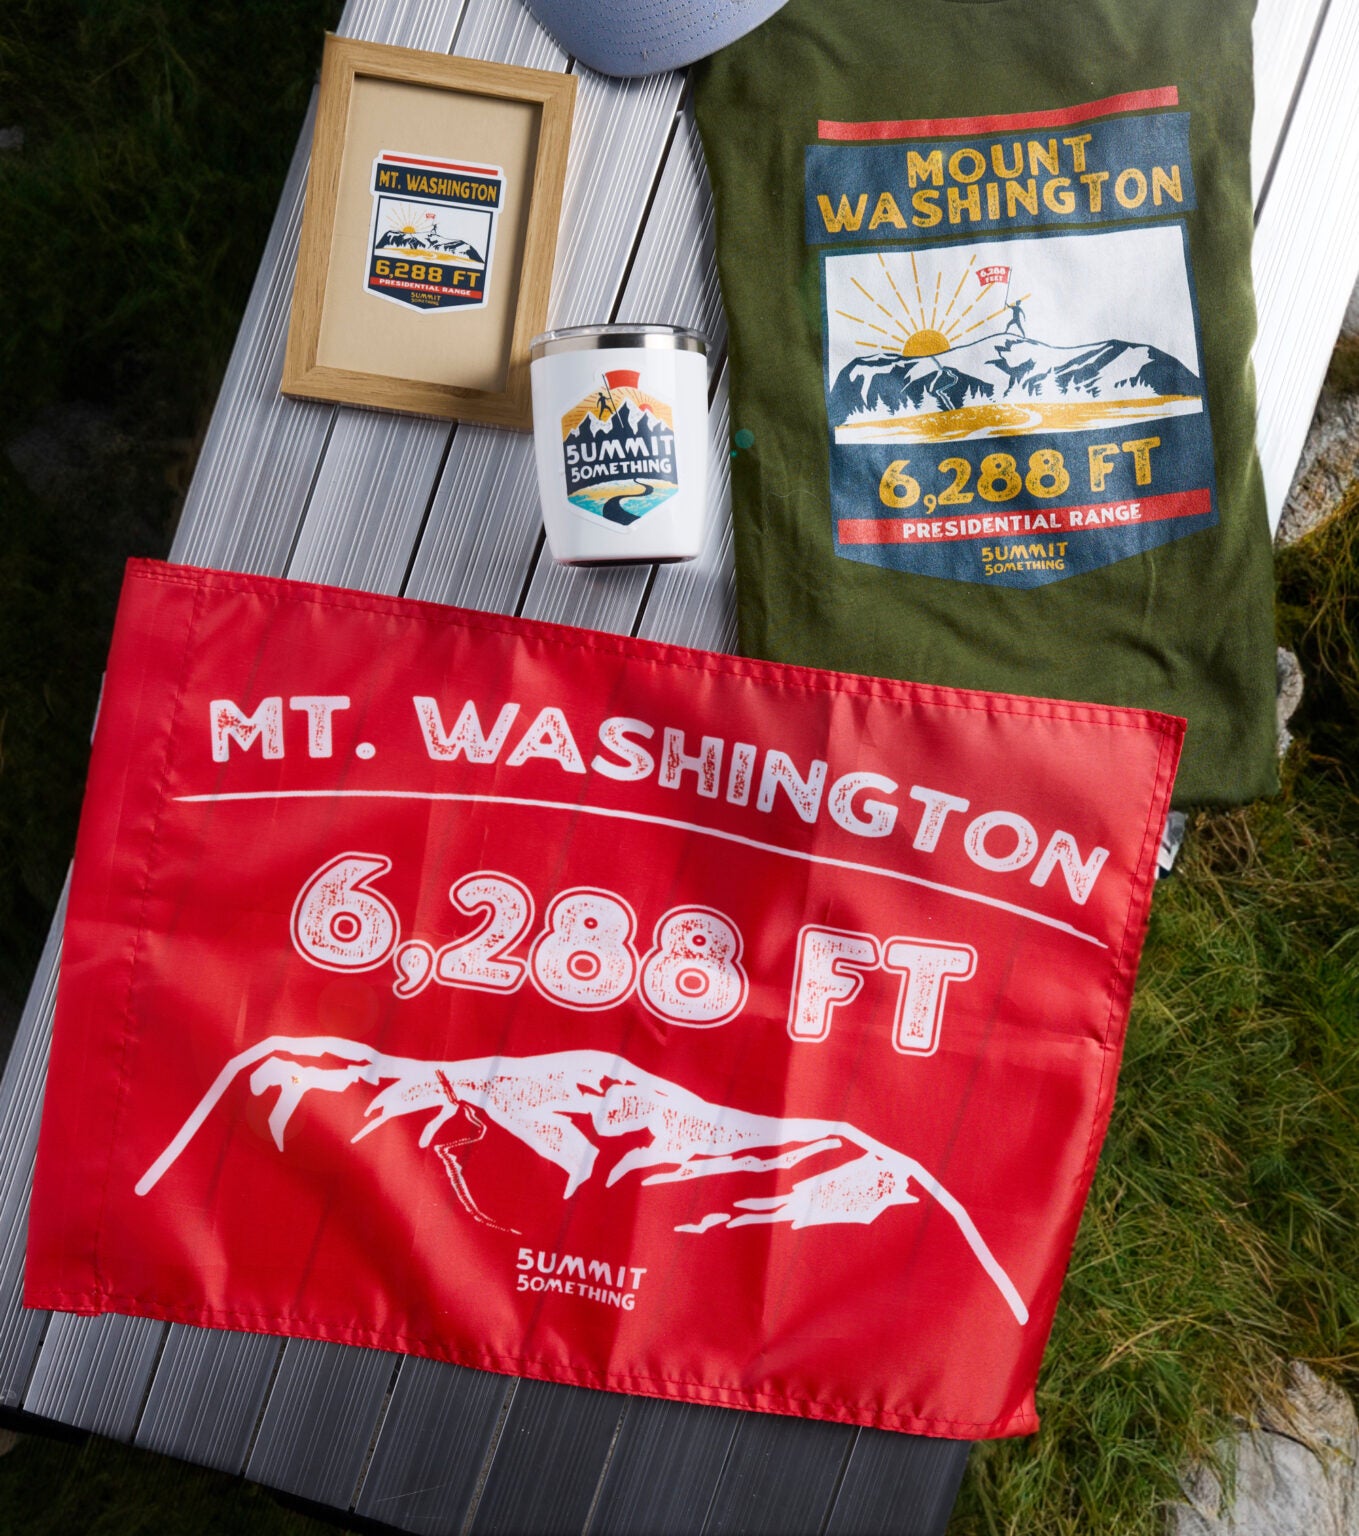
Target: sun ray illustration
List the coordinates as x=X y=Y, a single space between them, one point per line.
x=918 y=330
x=401 y=216
x=959 y=320
x=905 y=308
x=985 y=319
x=871 y=299
x=919 y=335
x=994 y=315
x=896 y=335
x=970 y=264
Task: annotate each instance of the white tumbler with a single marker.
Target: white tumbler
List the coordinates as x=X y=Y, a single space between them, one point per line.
x=620 y=429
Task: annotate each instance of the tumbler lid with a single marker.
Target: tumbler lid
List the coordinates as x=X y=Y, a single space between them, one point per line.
x=581 y=338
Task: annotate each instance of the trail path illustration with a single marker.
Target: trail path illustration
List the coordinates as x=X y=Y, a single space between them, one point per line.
x=543 y=1101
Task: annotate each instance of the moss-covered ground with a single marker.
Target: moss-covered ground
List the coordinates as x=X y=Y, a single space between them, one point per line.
x=1222 y=1235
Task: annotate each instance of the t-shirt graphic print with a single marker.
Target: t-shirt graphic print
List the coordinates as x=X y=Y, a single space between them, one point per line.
x=1012 y=355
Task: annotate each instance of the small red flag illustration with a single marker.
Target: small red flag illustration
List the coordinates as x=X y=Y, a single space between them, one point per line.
x=986 y=276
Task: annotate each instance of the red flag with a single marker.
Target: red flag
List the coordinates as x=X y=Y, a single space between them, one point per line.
x=987 y=276
x=570 y=1005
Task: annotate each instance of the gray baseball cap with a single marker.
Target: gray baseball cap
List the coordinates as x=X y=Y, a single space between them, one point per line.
x=644 y=37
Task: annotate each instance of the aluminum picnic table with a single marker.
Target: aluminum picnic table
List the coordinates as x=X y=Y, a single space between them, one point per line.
x=449 y=513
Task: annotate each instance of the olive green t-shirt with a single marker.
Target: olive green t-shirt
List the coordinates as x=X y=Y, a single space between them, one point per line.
x=986 y=266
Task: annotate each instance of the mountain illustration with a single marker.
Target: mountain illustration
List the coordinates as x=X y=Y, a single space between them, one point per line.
x=1003 y=367
x=576 y=1110
x=409 y=240
x=628 y=422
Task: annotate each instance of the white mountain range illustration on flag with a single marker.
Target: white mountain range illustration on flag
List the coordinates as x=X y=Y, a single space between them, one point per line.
x=549 y=1101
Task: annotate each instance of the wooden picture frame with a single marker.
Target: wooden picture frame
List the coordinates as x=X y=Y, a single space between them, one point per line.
x=428 y=234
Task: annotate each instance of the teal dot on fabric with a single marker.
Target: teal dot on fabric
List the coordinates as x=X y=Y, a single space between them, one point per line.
x=745 y=438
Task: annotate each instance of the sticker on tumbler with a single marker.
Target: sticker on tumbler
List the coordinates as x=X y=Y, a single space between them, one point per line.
x=433 y=230
x=618 y=450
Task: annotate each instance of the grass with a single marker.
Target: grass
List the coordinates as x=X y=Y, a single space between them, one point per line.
x=59 y=1488
x=1220 y=1239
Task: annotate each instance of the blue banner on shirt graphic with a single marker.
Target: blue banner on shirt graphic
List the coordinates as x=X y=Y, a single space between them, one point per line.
x=1097 y=173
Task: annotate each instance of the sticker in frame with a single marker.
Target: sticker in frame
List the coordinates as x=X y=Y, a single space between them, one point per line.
x=433 y=231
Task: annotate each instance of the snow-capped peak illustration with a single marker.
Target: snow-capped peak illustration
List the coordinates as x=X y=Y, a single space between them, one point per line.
x=627 y=422
x=567 y=1105
x=415 y=240
x=1003 y=367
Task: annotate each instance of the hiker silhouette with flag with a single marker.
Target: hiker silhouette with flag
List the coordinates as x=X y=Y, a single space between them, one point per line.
x=605 y=406
x=1016 y=316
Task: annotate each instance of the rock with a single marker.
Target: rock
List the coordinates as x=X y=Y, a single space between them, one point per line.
x=1297 y=1471
x=1289 y=676
x=1172 y=840
x=1327 y=477
x=1329 y=466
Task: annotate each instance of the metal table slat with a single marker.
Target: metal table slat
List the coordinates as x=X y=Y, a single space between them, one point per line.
x=652 y=271
x=483 y=526
x=206 y=1395
x=92 y=1371
x=260 y=453
x=780 y=1477
x=663 y=1451
x=428 y=1460
x=606 y=597
x=884 y=1490
x=1282 y=36
x=21 y=1331
x=545 y=1466
x=502 y=32
x=1307 y=249
x=365 y=512
x=317 y=1424
x=675 y=270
